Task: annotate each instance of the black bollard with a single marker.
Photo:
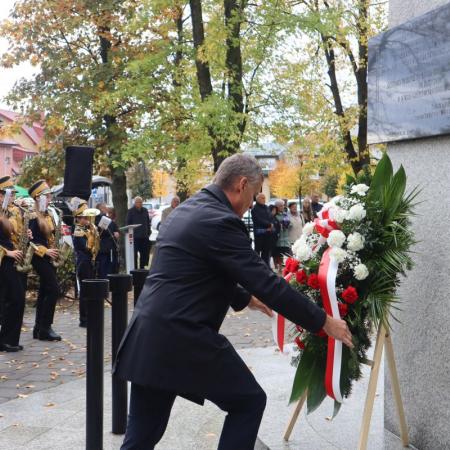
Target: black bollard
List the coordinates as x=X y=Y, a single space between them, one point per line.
x=119 y=285
x=96 y=291
x=139 y=277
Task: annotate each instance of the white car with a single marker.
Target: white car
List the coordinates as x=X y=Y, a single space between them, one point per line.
x=156 y=222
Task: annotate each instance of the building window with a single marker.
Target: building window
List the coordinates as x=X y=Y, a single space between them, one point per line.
x=7 y=160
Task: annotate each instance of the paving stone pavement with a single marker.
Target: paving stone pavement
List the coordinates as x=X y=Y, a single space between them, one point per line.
x=42 y=365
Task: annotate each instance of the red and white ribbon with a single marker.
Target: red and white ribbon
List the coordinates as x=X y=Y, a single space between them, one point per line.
x=325 y=223
x=279 y=324
x=327 y=281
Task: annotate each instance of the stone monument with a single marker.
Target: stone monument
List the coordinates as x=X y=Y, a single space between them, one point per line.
x=410 y=109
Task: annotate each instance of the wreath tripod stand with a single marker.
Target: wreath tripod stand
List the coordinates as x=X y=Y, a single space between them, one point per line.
x=384 y=340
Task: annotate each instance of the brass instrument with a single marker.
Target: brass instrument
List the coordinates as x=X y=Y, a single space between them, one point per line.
x=94 y=237
x=64 y=249
x=27 y=250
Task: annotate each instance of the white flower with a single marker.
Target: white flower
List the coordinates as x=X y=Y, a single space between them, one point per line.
x=308 y=228
x=340 y=215
x=336 y=238
x=335 y=200
x=357 y=212
x=301 y=249
x=338 y=254
x=359 y=189
x=355 y=242
x=361 y=272
x=303 y=252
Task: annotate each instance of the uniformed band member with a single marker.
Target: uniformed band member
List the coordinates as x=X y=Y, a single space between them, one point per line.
x=86 y=244
x=13 y=293
x=42 y=227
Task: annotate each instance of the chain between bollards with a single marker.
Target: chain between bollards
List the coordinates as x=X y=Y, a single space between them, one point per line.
x=95 y=291
x=119 y=285
x=139 y=277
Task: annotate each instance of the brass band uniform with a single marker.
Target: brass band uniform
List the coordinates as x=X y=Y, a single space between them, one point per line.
x=13 y=293
x=86 y=242
x=43 y=227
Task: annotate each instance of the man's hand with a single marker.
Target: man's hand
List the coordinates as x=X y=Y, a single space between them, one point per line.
x=29 y=234
x=260 y=306
x=338 y=329
x=52 y=252
x=17 y=255
x=116 y=234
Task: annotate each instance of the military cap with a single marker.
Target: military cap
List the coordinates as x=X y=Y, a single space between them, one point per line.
x=39 y=188
x=6 y=183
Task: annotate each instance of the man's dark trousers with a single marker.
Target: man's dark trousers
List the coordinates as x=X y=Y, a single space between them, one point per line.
x=263 y=246
x=150 y=410
x=141 y=246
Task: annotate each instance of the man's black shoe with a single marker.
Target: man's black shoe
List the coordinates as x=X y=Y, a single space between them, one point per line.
x=10 y=348
x=48 y=335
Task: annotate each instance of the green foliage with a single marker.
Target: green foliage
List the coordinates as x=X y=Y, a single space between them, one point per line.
x=49 y=166
x=140 y=181
x=330 y=184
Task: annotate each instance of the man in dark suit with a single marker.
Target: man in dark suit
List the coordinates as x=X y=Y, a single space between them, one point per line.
x=172 y=346
x=138 y=215
x=262 y=228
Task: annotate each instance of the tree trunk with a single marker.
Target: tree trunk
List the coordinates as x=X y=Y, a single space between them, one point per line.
x=233 y=20
x=119 y=194
x=339 y=109
x=218 y=148
x=113 y=142
x=198 y=31
x=361 y=80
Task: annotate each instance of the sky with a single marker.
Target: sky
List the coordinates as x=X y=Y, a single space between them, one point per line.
x=9 y=76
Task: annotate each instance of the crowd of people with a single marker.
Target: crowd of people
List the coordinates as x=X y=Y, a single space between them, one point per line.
x=277 y=226
x=31 y=238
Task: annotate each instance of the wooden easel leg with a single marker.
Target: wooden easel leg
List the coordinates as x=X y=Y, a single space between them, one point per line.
x=371 y=390
x=294 y=418
x=395 y=385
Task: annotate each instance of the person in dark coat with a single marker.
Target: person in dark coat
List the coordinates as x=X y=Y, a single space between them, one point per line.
x=138 y=215
x=105 y=260
x=13 y=298
x=315 y=205
x=262 y=228
x=172 y=346
x=43 y=227
x=86 y=243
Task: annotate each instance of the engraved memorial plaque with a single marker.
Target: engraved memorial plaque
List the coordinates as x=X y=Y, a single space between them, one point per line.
x=409 y=79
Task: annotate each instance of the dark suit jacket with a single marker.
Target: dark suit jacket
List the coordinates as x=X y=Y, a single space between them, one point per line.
x=203 y=264
x=139 y=217
x=262 y=218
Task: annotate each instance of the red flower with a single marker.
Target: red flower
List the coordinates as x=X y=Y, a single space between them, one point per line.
x=350 y=295
x=343 y=309
x=301 y=277
x=299 y=343
x=285 y=271
x=298 y=328
x=291 y=265
x=322 y=334
x=313 y=281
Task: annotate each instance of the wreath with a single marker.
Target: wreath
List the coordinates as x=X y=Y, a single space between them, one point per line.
x=349 y=261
